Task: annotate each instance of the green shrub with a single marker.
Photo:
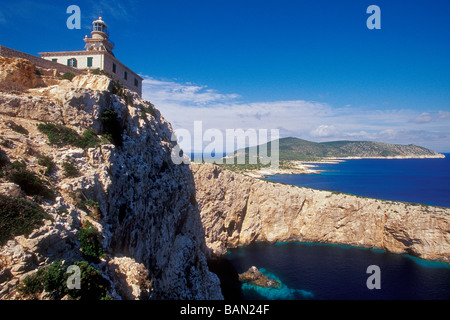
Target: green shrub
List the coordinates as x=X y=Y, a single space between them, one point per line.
x=53 y=279
x=89 y=139
x=33 y=284
x=106 y=138
x=31 y=184
x=18 y=217
x=93 y=286
x=70 y=169
x=117 y=88
x=89 y=238
x=17 y=127
x=68 y=76
x=101 y=72
x=60 y=136
x=48 y=163
x=19 y=165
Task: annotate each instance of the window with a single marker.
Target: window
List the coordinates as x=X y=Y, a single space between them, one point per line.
x=72 y=62
x=114 y=67
x=125 y=75
x=136 y=82
x=98 y=27
x=89 y=61
x=55 y=60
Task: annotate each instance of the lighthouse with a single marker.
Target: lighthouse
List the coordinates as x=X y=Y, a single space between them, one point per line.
x=98 y=54
x=99 y=37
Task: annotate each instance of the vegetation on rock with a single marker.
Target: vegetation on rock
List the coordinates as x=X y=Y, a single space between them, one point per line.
x=61 y=136
x=18 y=217
x=53 y=280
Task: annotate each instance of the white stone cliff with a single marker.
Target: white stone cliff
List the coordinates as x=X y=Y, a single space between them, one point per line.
x=237 y=210
x=151 y=229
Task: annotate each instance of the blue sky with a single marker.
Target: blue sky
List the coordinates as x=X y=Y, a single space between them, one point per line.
x=310 y=68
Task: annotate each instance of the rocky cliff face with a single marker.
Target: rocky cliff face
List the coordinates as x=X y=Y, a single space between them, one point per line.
x=237 y=210
x=150 y=227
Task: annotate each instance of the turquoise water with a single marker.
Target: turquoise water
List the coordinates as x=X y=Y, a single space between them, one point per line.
x=330 y=272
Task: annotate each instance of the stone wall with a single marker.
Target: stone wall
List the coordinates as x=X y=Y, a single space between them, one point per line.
x=11 y=53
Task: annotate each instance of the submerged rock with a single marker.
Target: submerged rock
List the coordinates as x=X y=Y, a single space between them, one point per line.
x=257 y=278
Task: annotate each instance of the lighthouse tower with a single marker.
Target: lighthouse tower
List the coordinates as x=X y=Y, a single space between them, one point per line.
x=99 y=40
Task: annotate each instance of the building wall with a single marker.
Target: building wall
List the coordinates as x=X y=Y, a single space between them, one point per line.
x=119 y=74
x=82 y=60
x=43 y=63
x=102 y=60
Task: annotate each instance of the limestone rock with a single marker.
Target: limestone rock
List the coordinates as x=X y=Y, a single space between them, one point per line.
x=95 y=82
x=238 y=210
x=132 y=278
x=257 y=278
x=10 y=189
x=146 y=218
x=18 y=74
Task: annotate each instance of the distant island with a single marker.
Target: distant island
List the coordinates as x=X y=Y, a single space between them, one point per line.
x=295 y=154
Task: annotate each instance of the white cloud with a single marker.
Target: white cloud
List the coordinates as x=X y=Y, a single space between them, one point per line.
x=324 y=131
x=182 y=94
x=182 y=104
x=424 y=117
x=443 y=114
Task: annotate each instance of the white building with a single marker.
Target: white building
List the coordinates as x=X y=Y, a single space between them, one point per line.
x=98 y=55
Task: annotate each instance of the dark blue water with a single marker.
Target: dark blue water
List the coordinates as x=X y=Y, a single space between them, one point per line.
x=411 y=180
x=317 y=271
x=329 y=272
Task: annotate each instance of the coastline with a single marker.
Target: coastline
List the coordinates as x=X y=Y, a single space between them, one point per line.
x=307 y=167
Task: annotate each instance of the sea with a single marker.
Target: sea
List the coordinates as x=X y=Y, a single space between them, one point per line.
x=311 y=271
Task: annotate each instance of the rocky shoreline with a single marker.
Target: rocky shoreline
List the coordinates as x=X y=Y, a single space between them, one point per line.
x=237 y=210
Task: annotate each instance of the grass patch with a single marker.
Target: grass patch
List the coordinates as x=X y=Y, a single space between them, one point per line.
x=60 y=136
x=18 y=217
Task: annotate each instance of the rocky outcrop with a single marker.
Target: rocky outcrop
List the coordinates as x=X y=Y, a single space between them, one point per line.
x=150 y=228
x=255 y=277
x=18 y=74
x=237 y=210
